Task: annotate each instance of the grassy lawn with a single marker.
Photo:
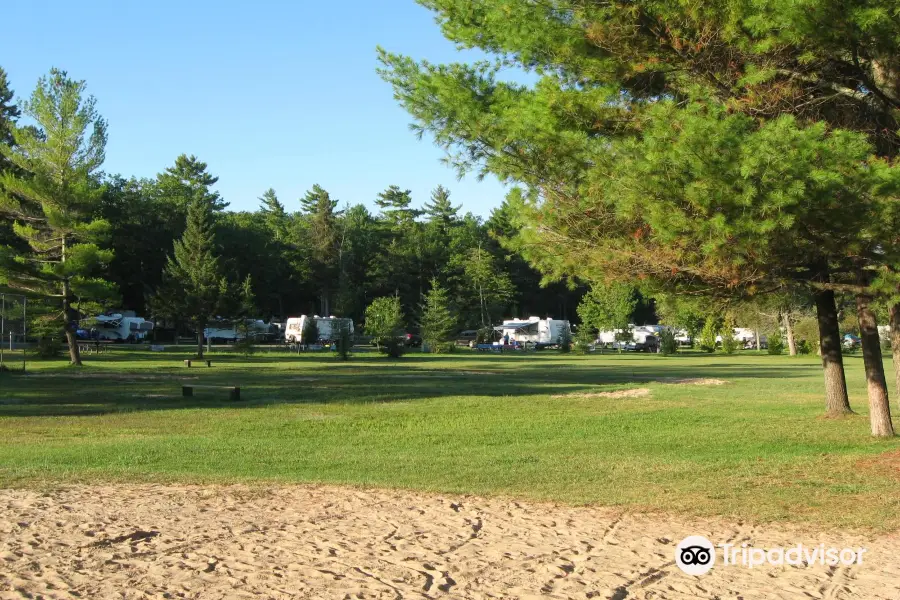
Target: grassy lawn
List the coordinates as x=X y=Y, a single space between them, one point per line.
x=483 y=424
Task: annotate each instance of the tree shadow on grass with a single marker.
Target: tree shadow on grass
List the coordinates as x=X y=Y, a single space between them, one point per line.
x=322 y=379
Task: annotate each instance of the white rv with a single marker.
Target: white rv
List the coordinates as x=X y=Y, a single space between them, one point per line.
x=121 y=328
x=328 y=328
x=534 y=330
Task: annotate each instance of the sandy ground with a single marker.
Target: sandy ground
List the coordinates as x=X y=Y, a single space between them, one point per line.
x=328 y=542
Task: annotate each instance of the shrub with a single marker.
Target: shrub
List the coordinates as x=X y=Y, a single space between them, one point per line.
x=344 y=341
x=391 y=347
x=886 y=343
x=729 y=344
x=776 y=343
x=564 y=342
x=485 y=335
x=584 y=339
x=244 y=346
x=668 y=345
x=310 y=332
x=48 y=347
x=708 y=335
x=804 y=347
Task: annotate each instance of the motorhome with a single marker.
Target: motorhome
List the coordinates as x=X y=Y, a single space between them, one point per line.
x=534 y=330
x=328 y=328
x=119 y=327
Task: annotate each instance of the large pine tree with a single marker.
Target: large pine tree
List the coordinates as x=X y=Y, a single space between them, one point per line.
x=320 y=228
x=193 y=289
x=51 y=195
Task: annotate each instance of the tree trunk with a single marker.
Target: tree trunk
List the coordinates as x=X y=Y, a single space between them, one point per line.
x=200 y=342
x=758 y=344
x=789 y=333
x=836 y=401
x=879 y=407
x=895 y=343
x=70 y=315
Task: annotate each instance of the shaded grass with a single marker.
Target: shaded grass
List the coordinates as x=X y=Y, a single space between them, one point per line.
x=484 y=424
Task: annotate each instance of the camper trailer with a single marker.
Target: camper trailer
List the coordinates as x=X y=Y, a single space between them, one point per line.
x=535 y=331
x=328 y=328
x=117 y=327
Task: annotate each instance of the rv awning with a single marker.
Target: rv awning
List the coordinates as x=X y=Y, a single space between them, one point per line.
x=515 y=326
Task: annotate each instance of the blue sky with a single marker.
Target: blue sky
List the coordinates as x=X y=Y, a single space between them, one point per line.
x=270 y=94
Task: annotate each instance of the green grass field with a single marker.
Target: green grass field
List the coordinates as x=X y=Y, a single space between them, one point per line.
x=483 y=424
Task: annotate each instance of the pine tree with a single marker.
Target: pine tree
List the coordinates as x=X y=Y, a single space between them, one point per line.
x=440 y=209
x=321 y=228
x=276 y=217
x=194 y=289
x=187 y=181
x=438 y=322
x=395 y=206
x=52 y=196
x=9 y=114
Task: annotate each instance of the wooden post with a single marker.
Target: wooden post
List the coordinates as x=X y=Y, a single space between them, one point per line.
x=187 y=391
x=235 y=393
x=187 y=363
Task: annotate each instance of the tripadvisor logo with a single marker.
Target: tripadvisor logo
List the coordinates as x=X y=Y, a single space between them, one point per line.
x=696 y=555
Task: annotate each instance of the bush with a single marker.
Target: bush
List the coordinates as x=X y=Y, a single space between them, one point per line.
x=391 y=347
x=886 y=343
x=776 y=343
x=668 y=345
x=804 y=347
x=48 y=347
x=708 y=335
x=564 y=342
x=310 y=333
x=584 y=339
x=485 y=335
x=729 y=344
x=344 y=341
x=244 y=346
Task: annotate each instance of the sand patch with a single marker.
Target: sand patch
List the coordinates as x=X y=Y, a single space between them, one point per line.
x=635 y=393
x=331 y=542
x=693 y=381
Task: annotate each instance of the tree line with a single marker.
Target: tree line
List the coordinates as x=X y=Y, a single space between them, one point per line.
x=79 y=241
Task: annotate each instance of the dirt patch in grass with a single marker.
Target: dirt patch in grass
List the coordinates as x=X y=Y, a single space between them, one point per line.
x=886 y=463
x=635 y=393
x=693 y=381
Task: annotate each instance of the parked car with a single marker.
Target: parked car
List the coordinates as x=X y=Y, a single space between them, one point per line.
x=467 y=338
x=851 y=341
x=411 y=340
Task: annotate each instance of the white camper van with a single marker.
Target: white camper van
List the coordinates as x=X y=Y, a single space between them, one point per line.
x=121 y=328
x=644 y=338
x=539 y=332
x=328 y=328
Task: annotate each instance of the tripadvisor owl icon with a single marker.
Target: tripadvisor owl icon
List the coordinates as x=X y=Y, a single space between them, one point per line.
x=695 y=555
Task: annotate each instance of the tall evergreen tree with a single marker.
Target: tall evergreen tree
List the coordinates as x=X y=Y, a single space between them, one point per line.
x=440 y=209
x=188 y=180
x=277 y=218
x=9 y=114
x=194 y=290
x=438 y=322
x=51 y=194
x=321 y=226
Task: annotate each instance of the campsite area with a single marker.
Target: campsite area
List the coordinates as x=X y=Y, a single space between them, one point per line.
x=487 y=453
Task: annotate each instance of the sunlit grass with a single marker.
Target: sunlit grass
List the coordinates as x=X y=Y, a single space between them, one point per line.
x=756 y=447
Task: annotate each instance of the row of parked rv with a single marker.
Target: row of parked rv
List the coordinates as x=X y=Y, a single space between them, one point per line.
x=534 y=332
